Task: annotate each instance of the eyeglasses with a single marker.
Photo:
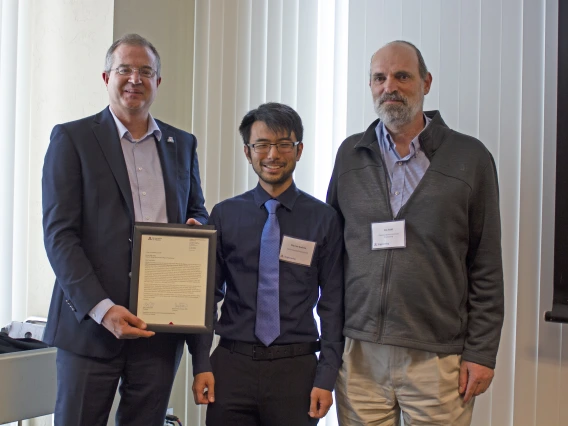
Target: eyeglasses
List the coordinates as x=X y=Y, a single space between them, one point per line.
x=282 y=147
x=146 y=72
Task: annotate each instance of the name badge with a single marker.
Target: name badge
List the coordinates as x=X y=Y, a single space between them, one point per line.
x=388 y=235
x=297 y=251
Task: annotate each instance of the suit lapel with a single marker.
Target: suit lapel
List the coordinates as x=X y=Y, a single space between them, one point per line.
x=167 y=150
x=107 y=137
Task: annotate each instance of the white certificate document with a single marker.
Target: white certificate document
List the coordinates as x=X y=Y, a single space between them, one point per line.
x=388 y=235
x=297 y=251
x=172 y=285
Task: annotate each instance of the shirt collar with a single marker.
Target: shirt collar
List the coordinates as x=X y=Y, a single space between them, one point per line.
x=287 y=198
x=384 y=137
x=124 y=133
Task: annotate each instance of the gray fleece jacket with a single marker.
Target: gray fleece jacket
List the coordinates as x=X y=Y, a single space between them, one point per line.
x=443 y=292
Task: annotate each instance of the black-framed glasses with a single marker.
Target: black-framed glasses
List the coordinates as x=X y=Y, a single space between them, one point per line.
x=125 y=70
x=281 y=147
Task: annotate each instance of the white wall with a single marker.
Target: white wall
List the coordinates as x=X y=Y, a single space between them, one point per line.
x=168 y=24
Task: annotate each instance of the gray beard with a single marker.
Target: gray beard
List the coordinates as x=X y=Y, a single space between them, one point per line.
x=396 y=115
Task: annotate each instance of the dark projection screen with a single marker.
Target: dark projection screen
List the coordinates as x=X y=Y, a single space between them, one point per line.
x=559 y=311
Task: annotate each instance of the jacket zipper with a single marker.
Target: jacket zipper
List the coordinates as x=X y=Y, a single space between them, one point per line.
x=384 y=291
x=388 y=259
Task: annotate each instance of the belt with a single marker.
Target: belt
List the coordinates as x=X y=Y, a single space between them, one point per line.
x=261 y=352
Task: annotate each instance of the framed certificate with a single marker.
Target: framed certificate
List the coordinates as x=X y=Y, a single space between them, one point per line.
x=173 y=277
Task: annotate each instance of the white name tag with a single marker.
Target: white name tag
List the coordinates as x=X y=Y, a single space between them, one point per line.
x=297 y=251
x=388 y=235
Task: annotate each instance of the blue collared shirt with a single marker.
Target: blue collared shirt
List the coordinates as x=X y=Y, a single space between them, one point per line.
x=239 y=222
x=404 y=173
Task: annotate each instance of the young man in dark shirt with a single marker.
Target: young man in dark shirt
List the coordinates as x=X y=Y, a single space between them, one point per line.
x=271 y=269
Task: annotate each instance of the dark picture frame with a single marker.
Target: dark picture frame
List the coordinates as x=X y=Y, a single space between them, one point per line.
x=155 y=231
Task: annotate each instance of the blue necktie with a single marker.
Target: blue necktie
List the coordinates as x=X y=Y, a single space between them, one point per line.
x=267 y=327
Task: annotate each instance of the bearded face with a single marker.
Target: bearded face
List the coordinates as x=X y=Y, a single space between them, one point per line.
x=396 y=110
x=397 y=86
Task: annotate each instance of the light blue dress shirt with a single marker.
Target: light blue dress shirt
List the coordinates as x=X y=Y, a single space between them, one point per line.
x=144 y=172
x=404 y=173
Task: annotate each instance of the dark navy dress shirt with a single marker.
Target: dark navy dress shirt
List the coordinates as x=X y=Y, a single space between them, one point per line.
x=239 y=222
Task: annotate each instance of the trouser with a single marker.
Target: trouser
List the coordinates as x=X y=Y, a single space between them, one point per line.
x=252 y=392
x=379 y=383
x=146 y=369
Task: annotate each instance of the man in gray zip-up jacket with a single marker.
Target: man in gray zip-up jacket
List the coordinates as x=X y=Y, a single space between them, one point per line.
x=423 y=269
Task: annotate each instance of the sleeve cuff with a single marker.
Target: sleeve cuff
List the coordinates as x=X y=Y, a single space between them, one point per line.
x=325 y=378
x=200 y=365
x=478 y=359
x=100 y=310
x=199 y=347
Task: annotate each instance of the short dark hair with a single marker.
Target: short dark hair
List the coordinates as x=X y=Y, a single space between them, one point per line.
x=132 y=40
x=422 y=69
x=277 y=117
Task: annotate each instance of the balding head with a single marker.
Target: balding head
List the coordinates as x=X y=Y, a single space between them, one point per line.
x=422 y=68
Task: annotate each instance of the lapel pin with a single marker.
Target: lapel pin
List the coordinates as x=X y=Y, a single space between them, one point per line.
x=170 y=139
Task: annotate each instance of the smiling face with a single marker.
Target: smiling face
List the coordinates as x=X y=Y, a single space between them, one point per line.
x=397 y=88
x=274 y=169
x=131 y=96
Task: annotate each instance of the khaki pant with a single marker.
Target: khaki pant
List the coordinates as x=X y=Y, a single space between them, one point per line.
x=379 y=383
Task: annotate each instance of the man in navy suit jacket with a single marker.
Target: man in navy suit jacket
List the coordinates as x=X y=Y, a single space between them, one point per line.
x=101 y=174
